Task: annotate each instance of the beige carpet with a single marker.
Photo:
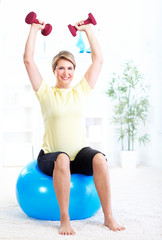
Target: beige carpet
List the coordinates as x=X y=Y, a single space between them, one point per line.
x=137 y=204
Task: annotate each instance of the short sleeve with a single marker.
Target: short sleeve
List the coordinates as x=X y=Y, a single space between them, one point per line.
x=84 y=87
x=43 y=89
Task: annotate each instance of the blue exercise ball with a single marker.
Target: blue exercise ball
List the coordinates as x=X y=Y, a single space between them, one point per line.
x=36 y=196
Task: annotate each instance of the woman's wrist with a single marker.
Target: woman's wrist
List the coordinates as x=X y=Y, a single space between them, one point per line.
x=89 y=31
x=88 y=28
x=34 y=29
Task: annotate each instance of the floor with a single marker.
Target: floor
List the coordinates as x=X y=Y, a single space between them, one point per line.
x=136 y=201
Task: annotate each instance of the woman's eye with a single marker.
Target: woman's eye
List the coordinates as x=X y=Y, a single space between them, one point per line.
x=62 y=68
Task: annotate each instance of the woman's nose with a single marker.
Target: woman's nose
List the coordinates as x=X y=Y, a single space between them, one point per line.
x=65 y=71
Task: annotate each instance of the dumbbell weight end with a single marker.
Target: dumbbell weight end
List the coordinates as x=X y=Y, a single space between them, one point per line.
x=47 y=30
x=90 y=19
x=72 y=29
x=31 y=18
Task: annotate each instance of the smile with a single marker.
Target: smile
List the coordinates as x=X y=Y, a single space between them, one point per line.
x=65 y=78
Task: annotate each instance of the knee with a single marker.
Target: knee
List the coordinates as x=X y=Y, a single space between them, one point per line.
x=99 y=162
x=62 y=162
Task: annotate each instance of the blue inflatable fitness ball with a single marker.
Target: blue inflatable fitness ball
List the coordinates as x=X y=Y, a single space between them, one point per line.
x=36 y=196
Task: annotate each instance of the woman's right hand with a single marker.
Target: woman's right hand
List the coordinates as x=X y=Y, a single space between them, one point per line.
x=38 y=26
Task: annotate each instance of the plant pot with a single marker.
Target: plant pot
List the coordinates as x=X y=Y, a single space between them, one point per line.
x=128 y=159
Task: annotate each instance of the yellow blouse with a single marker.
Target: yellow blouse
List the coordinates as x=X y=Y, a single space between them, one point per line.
x=63 y=115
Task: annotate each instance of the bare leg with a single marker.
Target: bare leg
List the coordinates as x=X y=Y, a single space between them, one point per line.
x=61 y=182
x=102 y=183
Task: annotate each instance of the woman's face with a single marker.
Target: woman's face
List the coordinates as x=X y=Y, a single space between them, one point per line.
x=64 y=73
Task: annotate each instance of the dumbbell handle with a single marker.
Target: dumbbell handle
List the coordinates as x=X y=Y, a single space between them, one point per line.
x=31 y=18
x=37 y=22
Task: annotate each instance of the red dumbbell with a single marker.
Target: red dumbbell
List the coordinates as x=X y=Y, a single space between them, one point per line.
x=31 y=18
x=90 y=19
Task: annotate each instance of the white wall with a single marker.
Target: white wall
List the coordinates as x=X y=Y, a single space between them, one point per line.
x=156 y=63
x=126 y=29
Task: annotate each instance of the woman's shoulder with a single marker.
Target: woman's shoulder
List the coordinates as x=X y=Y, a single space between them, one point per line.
x=44 y=89
x=83 y=86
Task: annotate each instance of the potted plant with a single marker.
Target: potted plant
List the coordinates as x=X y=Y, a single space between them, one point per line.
x=129 y=94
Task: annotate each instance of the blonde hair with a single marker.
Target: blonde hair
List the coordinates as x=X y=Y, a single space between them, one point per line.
x=63 y=55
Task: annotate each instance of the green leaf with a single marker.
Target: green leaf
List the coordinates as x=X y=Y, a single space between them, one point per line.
x=129 y=94
x=144 y=139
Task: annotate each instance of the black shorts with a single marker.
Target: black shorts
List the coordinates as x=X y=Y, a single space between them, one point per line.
x=81 y=164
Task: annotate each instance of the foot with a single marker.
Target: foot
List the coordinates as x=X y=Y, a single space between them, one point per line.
x=65 y=228
x=113 y=225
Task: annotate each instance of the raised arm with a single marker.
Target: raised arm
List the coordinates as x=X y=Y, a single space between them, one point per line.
x=32 y=70
x=97 y=59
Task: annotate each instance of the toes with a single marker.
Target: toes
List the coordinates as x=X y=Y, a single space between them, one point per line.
x=115 y=227
x=66 y=232
x=121 y=228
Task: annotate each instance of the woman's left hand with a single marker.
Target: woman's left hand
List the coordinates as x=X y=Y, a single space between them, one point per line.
x=80 y=26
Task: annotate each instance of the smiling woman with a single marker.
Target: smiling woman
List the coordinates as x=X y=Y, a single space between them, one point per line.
x=63 y=66
x=64 y=150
